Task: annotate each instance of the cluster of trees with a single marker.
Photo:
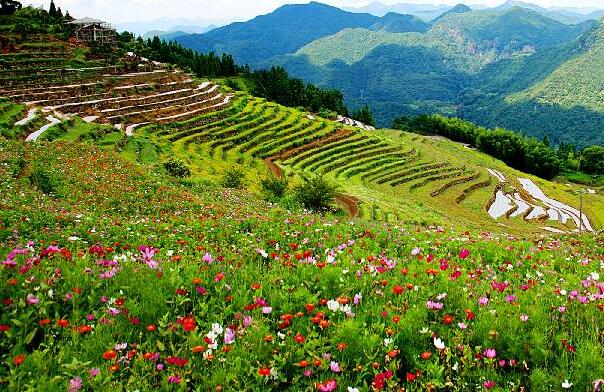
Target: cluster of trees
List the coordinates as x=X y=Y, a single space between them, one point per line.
x=203 y=65
x=364 y=115
x=9 y=7
x=520 y=152
x=276 y=85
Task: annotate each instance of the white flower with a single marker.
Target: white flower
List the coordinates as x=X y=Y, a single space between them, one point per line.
x=595 y=276
x=439 y=344
x=333 y=305
x=567 y=384
x=217 y=329
x=351 y=389
x=441 y=296
x=387 y=342
x=562 y=292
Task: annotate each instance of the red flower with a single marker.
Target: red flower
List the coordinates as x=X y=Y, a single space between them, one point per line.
x=176 y=361
x=411 y=377
x=448 y=319
x=44 y=322
x=397 y=290
x=188 y=324
x=84 y=329
x=299 y=338
x=264 y=372
x=18 y=360
x=109 y=355
x=303 y=363
x=426 y=355
x=63 y=323
x=151 y=328
x=198 y=349
x=4 y=327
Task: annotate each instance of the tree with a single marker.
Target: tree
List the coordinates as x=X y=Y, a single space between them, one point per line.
x=364 y=115
x=52 y=11
x=592 y=160
x=9 y=7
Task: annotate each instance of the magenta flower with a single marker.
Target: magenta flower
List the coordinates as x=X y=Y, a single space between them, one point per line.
x=207 y=258
x=334 y=367
x=490 y=353
x=32 y=299
x=488 y=384
x=75 y=384
x=175 y=379
x=463 y=253
x=229 y=336
x=94 y=372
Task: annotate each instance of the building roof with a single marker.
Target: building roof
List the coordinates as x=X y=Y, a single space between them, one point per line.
x=85 y=21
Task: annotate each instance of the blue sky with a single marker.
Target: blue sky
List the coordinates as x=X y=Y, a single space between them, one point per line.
x=220 y=11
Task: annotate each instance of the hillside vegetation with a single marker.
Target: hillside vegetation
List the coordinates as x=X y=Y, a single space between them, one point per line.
x=153 y=237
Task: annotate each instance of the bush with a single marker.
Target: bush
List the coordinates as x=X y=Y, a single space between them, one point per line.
x=316 y=193
x=177 y=168
x=46 y=180
x=273 y=188
x=233 y=178
x=592 y=160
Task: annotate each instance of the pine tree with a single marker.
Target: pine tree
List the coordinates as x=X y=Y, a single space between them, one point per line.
x=52 y=11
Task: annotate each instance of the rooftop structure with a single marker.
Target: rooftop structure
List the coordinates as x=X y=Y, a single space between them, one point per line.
x=93 y=30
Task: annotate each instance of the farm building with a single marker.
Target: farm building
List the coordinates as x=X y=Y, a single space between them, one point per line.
x=93 y=30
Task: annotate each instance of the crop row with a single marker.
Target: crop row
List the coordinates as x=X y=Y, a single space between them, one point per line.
x=419 y=168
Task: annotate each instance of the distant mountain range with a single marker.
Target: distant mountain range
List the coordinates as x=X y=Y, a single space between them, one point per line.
x=513 y=66
x=429 y=12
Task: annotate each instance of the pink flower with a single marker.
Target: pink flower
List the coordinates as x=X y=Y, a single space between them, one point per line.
x=229 y=336
x=434 y=305
x=175 y=379
x=524 y=318
x=94 y=372
x=327 y=386
x=335 y=367
x=490 y=353
x=32 y=299
x=463 y=253
x=247 y=321
x=267 y=310
x=488 y=384
x=483 y=301
x=75 y=384
x=207 y=258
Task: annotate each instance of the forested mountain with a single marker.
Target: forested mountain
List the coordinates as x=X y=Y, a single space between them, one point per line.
x=492 y=66
x=564 y=15
x=425 y=12
x=283 y=31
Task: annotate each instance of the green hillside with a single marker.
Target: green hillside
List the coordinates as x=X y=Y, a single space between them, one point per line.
x=576 y=83
x=465 y=65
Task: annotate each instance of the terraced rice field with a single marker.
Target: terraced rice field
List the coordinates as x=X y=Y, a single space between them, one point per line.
x=142 y=108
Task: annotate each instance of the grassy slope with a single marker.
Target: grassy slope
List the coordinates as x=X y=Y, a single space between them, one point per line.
x=579 y=82
x=209 y=160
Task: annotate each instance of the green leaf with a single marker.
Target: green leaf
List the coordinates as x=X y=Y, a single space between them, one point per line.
x=160 y=345
x=30 y=336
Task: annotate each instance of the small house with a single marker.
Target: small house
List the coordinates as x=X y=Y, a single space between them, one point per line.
x=93 y=30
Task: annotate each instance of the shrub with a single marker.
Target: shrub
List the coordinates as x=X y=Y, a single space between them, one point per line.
x=46 y=180
x=592 y=160
x=273 y=188
x=177 y=168
x=327 y=114
x=316 y=193
x=233 y=178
